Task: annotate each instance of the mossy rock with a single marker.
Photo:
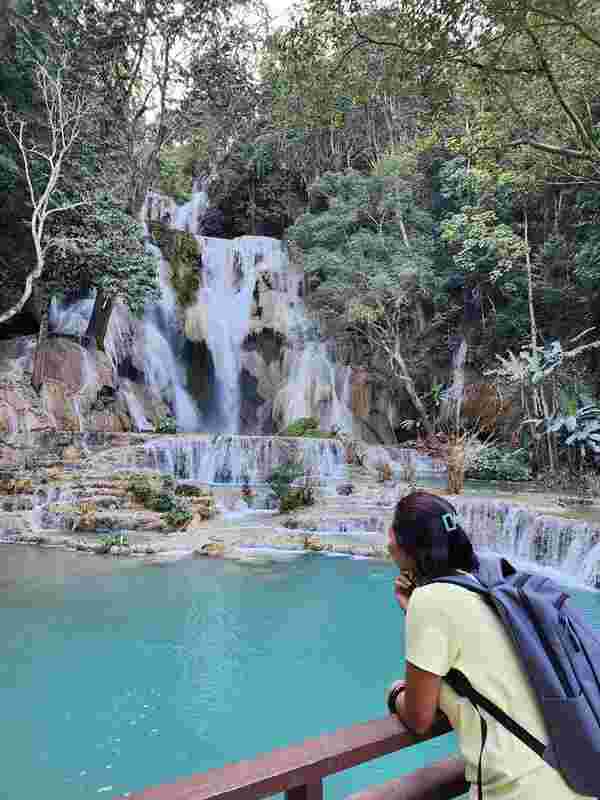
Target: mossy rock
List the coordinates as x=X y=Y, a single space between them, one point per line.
x=182 y=251
x=191 y=490
x=305 y=426
x=295 y=498
x=185 y=273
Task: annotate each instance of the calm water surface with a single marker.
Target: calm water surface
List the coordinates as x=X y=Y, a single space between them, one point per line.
x=117 y=676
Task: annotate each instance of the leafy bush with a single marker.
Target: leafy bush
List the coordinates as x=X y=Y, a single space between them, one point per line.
x=296 y=498
x=280 y=481
x=166 y=424
x=164 y=502
x=304 y=426
x=180 y=514
x=282 y=477
x=495 y=463
x=141 y=488
x=115 y=540
x=161 y=499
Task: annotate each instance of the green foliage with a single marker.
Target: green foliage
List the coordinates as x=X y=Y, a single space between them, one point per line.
x=9 y=169
x=481 y=245
x=180 y=514
x=587 y=258
x=162 y=497
x=282 y=477
x=164 y=501
x=141 y=488
x=358 y=239
x=496 y=463
x=114 y=540
x=295 y=498
x=185 y=274
x=166 y=424
x=299 y=427
x=173 y=179
x=459 y=186
x=307 y=427
x=104 y=250
x=260 y=157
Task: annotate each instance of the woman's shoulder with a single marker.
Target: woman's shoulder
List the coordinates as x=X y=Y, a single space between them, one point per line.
x=443 y=594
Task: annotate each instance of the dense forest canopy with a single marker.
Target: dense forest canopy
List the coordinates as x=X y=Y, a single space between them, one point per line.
x=434 y=163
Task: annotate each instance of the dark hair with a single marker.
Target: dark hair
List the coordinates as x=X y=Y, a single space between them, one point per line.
x=426 y=528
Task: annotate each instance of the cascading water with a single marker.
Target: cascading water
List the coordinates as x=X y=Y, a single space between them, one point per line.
x=310 y=390
x=568 y=547
x=227 y=310
x=70 y=319
x=158 y=349
x=239 y=459
x=229 y=273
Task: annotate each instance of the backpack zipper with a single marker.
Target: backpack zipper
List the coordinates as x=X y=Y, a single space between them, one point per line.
x=550 y=652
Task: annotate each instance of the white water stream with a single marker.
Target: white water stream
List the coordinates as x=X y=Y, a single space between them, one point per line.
x=239 y=459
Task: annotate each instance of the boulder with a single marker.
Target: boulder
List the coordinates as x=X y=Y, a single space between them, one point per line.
x=212 y=550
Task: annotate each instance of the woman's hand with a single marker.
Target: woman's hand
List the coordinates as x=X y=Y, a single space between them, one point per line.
x=403 y=588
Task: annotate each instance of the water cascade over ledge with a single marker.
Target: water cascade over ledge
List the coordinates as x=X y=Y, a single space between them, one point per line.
x=239 y=459
x=568 y=548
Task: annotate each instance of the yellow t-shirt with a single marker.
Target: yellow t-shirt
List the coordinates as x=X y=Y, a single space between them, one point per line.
x=448 y=626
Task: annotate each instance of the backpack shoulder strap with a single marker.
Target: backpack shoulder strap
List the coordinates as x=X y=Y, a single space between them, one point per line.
x=463 y=687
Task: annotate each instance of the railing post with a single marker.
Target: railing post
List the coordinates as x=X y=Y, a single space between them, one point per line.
x=308 y=791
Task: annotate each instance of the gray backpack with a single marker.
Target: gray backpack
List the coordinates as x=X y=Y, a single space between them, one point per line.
x=561 y=655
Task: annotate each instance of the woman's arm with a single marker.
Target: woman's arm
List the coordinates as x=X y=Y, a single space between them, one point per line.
x=417 y=705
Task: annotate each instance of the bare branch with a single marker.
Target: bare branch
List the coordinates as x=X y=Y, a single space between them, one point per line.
x=64 y=114
x=566 y=152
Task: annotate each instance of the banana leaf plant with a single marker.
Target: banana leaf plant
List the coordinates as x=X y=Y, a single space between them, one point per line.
x=581 y=429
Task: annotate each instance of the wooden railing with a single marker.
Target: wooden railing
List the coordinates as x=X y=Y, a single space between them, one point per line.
x=299 y=770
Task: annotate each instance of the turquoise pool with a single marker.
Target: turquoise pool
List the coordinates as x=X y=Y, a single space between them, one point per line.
x=117 y=676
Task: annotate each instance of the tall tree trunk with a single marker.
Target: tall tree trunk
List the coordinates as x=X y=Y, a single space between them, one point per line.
x=98 y=324
x=411 y=391
x=8 y=40
x=532 y=324
x=456 y=464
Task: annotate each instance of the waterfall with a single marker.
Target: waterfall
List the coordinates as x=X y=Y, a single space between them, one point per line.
x=229 y=274
x=158 y=349
x=246 y=287
x=568 y=548
x=230 y=306
x=136 y=410
x=70 y=319
x=236 y=459
x=310 y=389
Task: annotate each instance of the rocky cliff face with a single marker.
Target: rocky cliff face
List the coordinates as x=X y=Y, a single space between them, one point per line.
x=79 y=390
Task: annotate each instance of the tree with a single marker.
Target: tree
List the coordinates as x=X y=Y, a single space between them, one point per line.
x=104 y=251
x=383 y=325
x=367 y=252
x=535 y=61
x=64 y=113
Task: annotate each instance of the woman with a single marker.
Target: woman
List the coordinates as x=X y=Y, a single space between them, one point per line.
x=449 y=627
